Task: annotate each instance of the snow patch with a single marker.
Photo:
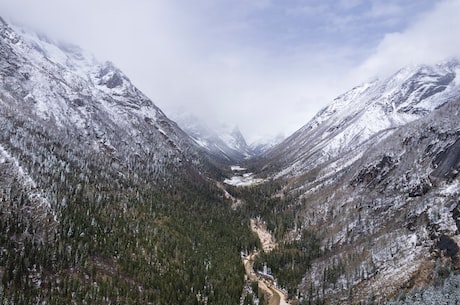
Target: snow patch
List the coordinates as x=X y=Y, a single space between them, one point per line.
x=246 y=180
x=451 y=189
x=33 y=193
x=241 y=178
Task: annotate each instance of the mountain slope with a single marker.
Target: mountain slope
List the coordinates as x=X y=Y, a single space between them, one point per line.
x=367 y=114
x=104 y=199
x=375 y=176
x=70 y=90
x=388 y=213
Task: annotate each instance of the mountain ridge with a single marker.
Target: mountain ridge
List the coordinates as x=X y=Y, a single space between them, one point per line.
x=72 y=90
x=407 y=95
x=375 y=175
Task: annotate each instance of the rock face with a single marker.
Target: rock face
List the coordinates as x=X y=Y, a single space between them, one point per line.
x=376 y=175
x=447 y=163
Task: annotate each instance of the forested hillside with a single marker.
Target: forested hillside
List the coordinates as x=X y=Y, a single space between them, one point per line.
x=110 y=234
x=103 y=199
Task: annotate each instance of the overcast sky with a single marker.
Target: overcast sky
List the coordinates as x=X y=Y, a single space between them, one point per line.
x=265 y=65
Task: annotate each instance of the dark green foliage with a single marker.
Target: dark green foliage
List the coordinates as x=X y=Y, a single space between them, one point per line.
x=142 y=232
x=249 y=300
x=261 y=201
x=290 y=261
x=134 y=255
x=332 y=273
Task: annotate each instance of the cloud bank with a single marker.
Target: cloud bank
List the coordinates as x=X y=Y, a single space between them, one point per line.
x=267 y=66
x=432 y=38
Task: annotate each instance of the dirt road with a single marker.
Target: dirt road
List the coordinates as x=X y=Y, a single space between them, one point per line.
x=275 y=295
x=267 y=240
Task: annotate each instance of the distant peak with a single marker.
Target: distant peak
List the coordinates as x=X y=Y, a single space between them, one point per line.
x=236 y=130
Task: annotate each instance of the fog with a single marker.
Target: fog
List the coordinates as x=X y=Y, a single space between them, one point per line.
x=266 y=66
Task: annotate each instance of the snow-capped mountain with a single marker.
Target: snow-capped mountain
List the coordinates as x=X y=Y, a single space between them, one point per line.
x=61 y=109
x=70 y=91
x=366 y=115
x=223 y=142
x=105 y=200
x=264 y=144
x=375 y=174
x=100 y=191
x=396 y=204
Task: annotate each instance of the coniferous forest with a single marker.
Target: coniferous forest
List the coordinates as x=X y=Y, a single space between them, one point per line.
x=112 y=235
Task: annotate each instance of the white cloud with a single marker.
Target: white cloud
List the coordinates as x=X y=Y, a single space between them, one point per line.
x=349 y=4
x=379 y=9
x=264 y=65
x=432 y=38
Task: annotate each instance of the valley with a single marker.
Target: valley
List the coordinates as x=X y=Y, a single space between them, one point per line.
x=106 y=200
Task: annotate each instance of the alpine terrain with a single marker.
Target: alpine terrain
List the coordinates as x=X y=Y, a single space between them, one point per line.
x=375 y=176
x=105 y=200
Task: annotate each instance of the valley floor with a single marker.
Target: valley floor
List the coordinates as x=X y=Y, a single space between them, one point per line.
x=268 y=286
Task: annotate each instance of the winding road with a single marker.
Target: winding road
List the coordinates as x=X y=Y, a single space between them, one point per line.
x=275 y=295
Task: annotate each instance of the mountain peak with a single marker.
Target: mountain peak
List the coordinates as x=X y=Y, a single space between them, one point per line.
x=66 y=86
x=373 y=166
x=221 y=141
x=110 y=76
x=370 y=112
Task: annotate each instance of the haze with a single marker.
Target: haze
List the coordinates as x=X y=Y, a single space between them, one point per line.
x=266 y=66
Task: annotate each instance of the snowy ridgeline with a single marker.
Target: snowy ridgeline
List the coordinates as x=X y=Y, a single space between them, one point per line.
x=241 y=178
x=367 y=115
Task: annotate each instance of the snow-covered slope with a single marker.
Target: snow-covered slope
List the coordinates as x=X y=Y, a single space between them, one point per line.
x=366 y=115
x=98 y=186
x=375 y=175
x=69 y=90
x=223 y=142
x=390 y=216
x=60 y=108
